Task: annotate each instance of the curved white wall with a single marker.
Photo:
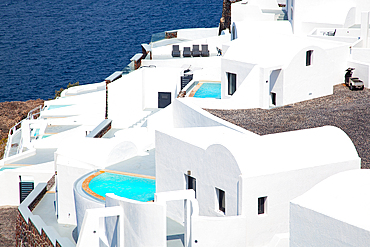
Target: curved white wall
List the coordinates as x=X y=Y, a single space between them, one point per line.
x=82 y=202
x=144 y=222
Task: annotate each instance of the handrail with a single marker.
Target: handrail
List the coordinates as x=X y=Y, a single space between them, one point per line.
x=14 y=128
x=20 y=146
x=32 y=115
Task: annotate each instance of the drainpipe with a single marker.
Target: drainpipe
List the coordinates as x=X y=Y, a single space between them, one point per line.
x=365 y=29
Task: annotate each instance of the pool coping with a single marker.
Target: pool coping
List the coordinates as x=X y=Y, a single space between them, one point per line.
x=85 y=183
x=200 y=83
x=195 y=89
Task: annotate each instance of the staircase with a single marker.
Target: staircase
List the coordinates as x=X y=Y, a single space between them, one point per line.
x=283 y=16
x=142 y=122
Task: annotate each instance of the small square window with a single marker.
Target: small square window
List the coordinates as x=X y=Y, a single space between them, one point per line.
x=309 y=57
x=262 y=205
x=221 y=200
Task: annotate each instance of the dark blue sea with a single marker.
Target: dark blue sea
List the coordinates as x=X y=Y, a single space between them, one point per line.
x=44 y=44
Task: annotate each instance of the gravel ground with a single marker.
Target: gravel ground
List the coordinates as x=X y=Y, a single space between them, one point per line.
x=348 y=110
x=8 y=218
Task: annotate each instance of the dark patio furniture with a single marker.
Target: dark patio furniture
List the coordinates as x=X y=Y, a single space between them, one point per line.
x=186 y=52
x=205 y=51
x=196 y=51
x=175 y=51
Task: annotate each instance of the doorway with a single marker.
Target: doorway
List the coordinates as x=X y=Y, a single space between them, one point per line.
x=164 y=99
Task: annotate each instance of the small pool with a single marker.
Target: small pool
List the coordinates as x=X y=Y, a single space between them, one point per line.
x=52 y=107
x=8 y=167
x=131 y=186
x=209 y=90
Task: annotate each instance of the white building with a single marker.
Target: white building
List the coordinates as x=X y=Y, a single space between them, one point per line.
x=216 y=184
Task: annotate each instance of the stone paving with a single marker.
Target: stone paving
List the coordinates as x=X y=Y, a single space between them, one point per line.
x=348 y=110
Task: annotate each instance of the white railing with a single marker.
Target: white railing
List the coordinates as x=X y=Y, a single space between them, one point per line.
x=20 y=146
x=12 y=132
x=32 y=115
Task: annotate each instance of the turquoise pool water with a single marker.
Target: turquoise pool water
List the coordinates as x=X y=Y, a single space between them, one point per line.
x=51 y=107
x=8 y=167
x=136 y=188
x=37 y=132
x=209 y=90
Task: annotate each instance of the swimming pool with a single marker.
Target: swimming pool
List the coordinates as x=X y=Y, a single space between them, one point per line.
x=8 y=167
x=131 y=186
x=209 y=90
x=51 y=107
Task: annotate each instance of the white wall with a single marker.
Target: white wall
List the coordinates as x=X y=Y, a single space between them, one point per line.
x=125 y=100
x=242 y=71
x=221 y=231
x=280 y=189
x=310 y=228
x=360 y=55
x=174 y=158
x=187 y=115
x=9 y=181
x=67 y=175
x=249 y=12
x=82 y=204
x=159 y=80
x=144 y=222
x=303 y=82
x=248 y=90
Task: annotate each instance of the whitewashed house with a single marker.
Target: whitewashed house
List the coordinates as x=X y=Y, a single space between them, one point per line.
x=235 y=174
x=265 y=70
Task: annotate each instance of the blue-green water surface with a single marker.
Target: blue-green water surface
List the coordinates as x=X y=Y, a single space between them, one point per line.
x=209 y=90
x=136 y=188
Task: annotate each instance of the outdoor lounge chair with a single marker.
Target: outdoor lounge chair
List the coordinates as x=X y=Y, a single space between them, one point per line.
x=205 y=51
x=175 y=51
x=186 y=52
x=196 y=51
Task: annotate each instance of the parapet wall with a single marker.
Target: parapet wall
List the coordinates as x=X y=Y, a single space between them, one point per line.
x=31 y=230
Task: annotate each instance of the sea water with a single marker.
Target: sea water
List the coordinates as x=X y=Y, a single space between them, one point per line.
x=44 y=44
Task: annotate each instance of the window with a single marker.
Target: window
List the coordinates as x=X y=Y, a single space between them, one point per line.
x=26 y=185
x=262 y=205
x=231 y=78
x=309 y=57
x=221 y=199
x=191 y=183
x=273 y=98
